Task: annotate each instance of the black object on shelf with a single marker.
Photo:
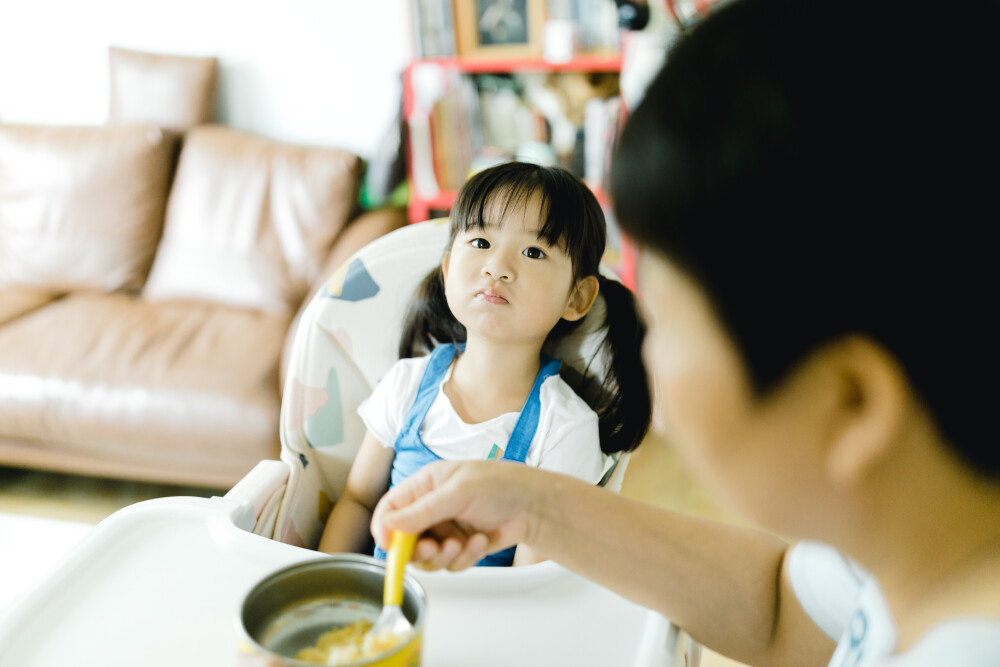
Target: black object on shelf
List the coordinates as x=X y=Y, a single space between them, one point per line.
x=632 y=15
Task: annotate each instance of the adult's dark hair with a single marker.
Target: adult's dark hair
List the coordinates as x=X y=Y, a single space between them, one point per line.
x=823 y=171
x=574 y=221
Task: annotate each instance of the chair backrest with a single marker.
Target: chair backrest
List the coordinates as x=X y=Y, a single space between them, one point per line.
x=346 y=341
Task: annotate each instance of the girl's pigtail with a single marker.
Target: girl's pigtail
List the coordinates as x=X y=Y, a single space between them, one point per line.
x=429 y=321
x=624 y=415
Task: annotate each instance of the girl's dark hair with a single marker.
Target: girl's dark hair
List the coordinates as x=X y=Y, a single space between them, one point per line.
x=821 y=179
x=574 y=221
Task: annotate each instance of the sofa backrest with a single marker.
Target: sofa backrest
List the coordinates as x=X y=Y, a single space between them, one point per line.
x=172 y=91
x=81 y=207
x=250 y=220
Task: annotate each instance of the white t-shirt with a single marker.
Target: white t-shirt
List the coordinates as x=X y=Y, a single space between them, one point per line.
x=847 y=603
x=566 y=440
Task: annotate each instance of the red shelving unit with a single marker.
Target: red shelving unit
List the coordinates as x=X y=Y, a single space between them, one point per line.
x=420 y=206
x=581 y=63
x=427 y=202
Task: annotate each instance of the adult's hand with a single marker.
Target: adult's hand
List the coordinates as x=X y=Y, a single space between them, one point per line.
x=464 y=510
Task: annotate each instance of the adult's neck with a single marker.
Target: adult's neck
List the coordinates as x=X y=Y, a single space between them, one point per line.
x=932 y=539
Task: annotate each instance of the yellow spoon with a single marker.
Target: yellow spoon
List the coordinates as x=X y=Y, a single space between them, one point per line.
x=391 y=623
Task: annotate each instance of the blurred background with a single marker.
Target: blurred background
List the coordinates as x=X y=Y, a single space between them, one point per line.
x=323 y=72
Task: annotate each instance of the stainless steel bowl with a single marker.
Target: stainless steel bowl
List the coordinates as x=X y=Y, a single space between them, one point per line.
x=289 y=609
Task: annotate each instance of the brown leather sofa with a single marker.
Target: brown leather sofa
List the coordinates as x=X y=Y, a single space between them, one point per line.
x=149 y=285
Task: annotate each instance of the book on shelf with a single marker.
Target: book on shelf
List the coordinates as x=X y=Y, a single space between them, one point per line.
x=456 y=133
x=421 y=155
x=434 y=28
x=600 y=132
x=461 y=122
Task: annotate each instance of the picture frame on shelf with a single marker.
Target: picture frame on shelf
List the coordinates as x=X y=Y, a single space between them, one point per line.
x=499 y=29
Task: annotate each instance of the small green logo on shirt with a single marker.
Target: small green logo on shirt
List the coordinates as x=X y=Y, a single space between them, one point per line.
x=495 y=453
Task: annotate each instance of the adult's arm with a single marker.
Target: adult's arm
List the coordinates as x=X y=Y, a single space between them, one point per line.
x=725 y=585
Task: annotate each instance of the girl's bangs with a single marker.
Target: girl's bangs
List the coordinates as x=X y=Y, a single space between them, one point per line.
x=572 y=219
x=490 y=199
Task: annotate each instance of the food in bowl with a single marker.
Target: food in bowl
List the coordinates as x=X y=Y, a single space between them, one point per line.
x=347 y=644
x=288 y=611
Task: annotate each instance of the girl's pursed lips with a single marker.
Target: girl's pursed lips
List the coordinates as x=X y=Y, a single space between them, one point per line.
x=491 y=296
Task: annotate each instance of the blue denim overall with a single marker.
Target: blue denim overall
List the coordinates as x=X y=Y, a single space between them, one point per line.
x=412 y=454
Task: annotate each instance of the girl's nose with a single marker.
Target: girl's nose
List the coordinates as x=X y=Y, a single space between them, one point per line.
x=498 y=269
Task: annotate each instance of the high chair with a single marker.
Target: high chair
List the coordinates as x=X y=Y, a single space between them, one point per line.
x=346 y=340
x=161 y=582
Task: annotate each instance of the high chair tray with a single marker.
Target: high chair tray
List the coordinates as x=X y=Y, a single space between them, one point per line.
x=161 y=582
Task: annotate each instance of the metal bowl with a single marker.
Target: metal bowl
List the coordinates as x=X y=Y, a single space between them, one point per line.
x=289 y=609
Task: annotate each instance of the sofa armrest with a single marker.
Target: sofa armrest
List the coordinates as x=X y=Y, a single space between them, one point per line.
x=361 y=231
x=17 y=301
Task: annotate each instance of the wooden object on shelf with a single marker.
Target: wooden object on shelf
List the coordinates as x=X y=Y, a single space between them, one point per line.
x=499 y=28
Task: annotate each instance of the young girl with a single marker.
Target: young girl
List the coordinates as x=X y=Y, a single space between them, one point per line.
x=520 y=272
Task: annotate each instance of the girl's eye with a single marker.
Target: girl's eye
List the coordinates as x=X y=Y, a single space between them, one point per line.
x=479 y=243
x=534 y=253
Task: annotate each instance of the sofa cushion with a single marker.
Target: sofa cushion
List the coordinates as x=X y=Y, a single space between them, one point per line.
x=17 y=301
x=179 y=385
x=81 y=207
x=172 y=91
x=250 y=220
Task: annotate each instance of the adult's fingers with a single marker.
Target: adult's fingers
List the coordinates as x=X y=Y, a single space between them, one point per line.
x=475 y=549
x=418 y=504
x=456 y=500
x=436 y=554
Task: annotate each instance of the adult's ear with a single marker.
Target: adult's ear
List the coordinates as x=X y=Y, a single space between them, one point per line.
x=581 y=299
x=871 y=409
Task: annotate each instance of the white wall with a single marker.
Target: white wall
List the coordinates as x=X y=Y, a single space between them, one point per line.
x=322 y=72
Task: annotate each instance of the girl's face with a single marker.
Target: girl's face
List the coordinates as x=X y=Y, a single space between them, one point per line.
x=507 y=285
x=759 y=454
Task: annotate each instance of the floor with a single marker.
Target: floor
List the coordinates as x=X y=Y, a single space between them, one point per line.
x=73 y=503
x=77 y=498
x=52 y=512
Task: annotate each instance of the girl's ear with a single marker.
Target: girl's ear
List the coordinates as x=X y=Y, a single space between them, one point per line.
x=444 y=264
x=583 y=297
x=871 y=409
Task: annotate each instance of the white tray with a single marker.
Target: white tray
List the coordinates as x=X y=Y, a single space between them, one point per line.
x=161 y=582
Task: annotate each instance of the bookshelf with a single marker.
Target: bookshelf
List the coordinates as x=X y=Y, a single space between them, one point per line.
x=438 y=194
x=468 y=108
x=610 y=62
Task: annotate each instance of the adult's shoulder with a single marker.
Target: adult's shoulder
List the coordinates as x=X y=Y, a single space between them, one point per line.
x=827 y=584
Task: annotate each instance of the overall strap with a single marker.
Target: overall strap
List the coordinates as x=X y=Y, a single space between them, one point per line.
x=411 y=453
x=437 y=366
x=520 y=442
x=527 y=423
